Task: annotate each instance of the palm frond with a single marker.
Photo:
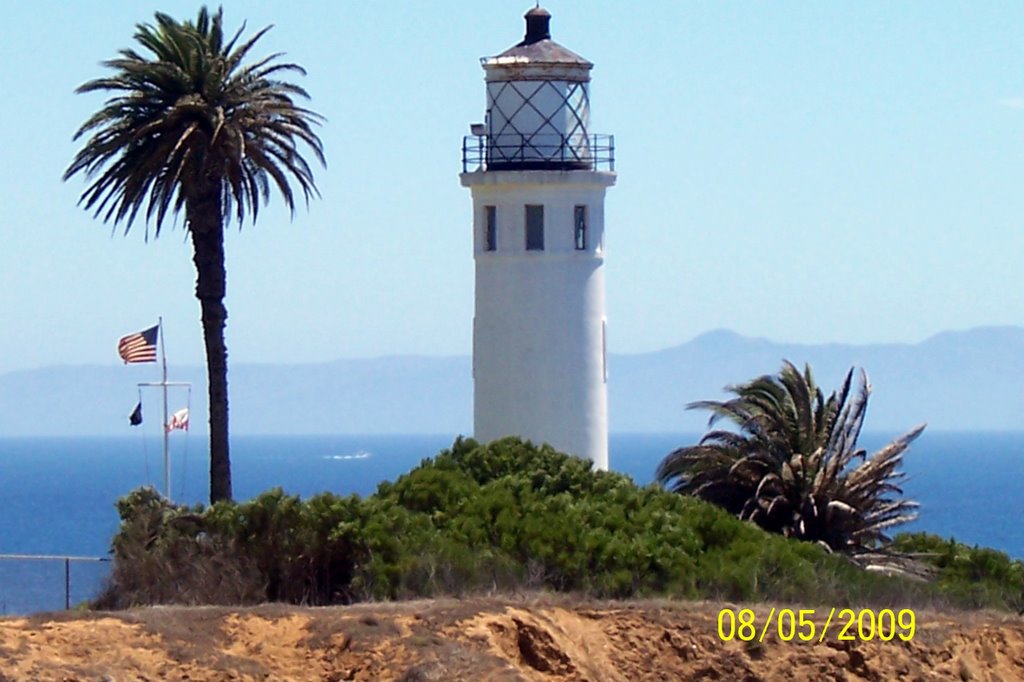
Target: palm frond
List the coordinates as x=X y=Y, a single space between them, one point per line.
x=186 y=112
x=790 y=462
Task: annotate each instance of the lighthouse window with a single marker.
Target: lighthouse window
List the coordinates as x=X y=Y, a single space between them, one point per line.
x=580 y=231
x=534 y=228
x=490 y=228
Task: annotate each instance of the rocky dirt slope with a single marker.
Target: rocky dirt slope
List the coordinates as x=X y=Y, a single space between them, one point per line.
x=538 y=638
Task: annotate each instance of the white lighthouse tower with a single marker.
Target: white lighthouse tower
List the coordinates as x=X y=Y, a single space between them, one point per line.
x=538 y=178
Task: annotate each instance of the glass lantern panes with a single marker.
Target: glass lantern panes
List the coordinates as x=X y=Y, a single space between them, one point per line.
x=540 y=124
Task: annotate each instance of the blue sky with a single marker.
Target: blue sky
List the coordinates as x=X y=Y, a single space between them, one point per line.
x=803 y=172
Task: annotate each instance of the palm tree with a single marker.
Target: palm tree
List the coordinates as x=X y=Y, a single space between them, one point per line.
x=191 y=128
x=790 y=463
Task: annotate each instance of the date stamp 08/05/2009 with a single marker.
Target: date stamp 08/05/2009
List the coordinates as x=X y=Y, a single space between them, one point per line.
x=804 y=625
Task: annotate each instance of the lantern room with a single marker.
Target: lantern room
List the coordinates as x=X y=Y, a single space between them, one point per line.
x=538 y=108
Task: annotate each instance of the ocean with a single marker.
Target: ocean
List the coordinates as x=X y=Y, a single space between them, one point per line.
x=57 y=494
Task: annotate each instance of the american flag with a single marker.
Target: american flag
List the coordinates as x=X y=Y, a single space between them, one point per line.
x=139 y=347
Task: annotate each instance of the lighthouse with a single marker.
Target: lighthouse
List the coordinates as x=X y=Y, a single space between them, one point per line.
x=538 y=176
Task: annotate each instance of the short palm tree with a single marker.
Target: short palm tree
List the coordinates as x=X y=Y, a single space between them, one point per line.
x=191 y=128
x=790 y=463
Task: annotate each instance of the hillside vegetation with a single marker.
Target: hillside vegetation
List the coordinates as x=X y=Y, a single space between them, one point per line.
x=507 y=517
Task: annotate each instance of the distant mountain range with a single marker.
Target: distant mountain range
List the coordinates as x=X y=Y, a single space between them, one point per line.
x=963 y=380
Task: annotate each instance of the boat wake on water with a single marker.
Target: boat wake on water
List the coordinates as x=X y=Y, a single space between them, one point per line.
x=362 y=454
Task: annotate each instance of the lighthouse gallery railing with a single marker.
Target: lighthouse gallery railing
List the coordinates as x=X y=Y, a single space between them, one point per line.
x=538 y=152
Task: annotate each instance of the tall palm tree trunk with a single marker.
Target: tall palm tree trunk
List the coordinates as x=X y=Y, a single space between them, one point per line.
x=207 y=230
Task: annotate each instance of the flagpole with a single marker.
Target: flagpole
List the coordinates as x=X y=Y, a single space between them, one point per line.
x=167 y=433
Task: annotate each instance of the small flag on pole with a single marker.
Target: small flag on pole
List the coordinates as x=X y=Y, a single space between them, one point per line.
x=135 y=418
x=139 y=347
x=179 y=420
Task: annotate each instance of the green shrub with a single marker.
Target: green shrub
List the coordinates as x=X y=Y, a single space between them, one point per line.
x=506 y=516
x=976 y=577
